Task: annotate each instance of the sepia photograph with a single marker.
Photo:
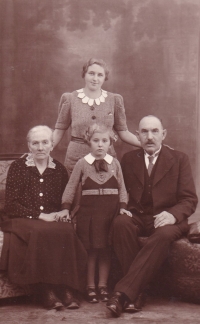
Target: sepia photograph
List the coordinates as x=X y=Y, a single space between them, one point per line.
x=99 y=161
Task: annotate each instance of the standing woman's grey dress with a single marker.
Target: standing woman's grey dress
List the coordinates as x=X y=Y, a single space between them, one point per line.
x=75 y=111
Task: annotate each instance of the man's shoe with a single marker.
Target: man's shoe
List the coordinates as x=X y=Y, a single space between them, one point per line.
x=131 y=308
x=115 y=304
x=136 y=306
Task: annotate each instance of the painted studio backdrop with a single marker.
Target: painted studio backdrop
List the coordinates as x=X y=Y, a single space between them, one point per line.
x=151 y=47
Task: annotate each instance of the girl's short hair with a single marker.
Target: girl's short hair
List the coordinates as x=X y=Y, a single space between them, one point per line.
x=99 y=128
x=98 y=62
x=39 y=128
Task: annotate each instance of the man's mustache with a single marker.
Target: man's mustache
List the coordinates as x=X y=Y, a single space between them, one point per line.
x=150 y=142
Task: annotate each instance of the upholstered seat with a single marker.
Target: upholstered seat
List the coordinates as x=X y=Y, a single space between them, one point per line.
x=7 y=289
x=180 y=274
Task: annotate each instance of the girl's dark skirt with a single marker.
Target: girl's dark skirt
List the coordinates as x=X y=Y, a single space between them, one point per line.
x=95 y=215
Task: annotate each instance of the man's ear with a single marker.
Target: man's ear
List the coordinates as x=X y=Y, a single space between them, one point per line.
x=164 y=133
x=137 y=135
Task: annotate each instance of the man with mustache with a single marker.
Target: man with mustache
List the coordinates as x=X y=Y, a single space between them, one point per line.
x=161 y=198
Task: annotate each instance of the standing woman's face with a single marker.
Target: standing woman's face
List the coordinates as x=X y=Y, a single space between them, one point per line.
x=94 y=77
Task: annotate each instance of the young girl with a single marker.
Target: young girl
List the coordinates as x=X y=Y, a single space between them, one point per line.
x=103 y=194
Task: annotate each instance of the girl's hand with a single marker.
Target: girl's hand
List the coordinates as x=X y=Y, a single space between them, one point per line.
x=63 y=216
x=124 y=211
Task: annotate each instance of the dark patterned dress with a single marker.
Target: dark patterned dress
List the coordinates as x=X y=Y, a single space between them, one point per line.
x=38 y=251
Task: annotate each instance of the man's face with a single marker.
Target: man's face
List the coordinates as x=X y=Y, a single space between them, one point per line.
x=151 y=134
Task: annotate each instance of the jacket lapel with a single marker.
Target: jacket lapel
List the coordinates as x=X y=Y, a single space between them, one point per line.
x=138 y=166
x=165 y=162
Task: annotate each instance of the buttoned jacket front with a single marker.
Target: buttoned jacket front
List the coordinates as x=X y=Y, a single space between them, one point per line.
x=173 y=187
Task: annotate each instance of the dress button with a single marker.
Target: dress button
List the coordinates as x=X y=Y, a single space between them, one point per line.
x=93 y=117
x=41 y=207
x=41 y=180
x=92 y=108
x=40 y=194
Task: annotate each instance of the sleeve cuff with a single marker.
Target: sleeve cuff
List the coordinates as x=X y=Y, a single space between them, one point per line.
x=123 y=205
x=66 y=206
x=60 y=126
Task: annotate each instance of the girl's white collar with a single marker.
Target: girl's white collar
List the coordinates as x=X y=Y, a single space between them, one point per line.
x=90 y=158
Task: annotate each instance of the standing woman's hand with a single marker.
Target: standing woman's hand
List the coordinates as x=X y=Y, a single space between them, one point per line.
x=129 y=138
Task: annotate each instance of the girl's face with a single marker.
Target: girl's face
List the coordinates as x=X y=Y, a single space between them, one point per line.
x=100 y=143
x=94 y=77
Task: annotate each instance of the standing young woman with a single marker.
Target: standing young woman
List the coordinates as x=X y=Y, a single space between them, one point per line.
x=89 y=105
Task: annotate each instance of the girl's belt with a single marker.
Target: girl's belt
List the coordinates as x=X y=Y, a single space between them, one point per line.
x=100 y=191
x=77 y=140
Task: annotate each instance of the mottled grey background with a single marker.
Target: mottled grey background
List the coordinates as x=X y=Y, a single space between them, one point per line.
x=151 y=47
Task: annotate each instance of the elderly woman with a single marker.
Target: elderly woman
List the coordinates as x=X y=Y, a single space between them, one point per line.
x=41 y=251
x=91 y=104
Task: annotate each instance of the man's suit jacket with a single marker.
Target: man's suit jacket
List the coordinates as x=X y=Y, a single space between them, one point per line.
x=173 y=187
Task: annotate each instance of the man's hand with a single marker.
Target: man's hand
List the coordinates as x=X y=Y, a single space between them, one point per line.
x=163 y=219
x=124 y=211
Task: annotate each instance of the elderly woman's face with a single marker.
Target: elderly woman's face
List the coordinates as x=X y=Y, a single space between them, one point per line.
x=40 y=144
x=94 y=77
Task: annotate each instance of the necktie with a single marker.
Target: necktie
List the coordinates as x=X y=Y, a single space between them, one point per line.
x=101 y=165
x=150 y=166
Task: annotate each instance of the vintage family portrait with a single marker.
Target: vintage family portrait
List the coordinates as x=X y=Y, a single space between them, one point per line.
x=99 y=161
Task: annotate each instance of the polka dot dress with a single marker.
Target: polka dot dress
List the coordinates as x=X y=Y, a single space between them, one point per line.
x=28 y=193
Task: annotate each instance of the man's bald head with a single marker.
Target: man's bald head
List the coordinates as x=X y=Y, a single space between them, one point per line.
x=151 y=133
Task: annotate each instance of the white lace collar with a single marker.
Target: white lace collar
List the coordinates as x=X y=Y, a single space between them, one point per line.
x=90 y=158
x=30 y=162
x=90 y=101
